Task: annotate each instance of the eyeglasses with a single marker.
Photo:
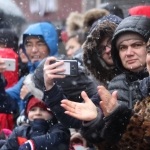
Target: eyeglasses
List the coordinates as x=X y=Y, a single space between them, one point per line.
x=136 y=45
x=39 y=46
x=102 y=49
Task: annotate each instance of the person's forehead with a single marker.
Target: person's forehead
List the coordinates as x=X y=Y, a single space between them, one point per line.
x=34 y=39
x=131 y=41
x=128 y=36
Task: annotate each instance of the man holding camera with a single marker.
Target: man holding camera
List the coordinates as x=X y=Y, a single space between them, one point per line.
x=39 y=41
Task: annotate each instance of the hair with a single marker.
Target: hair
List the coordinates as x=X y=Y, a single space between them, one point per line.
x=79 y=35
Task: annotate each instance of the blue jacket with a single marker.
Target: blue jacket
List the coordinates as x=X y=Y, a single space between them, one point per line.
x=50 y=37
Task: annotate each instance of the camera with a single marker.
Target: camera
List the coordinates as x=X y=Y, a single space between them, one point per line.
x=71 y=67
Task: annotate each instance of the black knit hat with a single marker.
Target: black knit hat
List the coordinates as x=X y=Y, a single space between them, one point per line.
x=9 y=38
x=131 y=24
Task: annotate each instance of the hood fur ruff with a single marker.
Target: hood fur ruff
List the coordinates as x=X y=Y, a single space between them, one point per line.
x=94 y=64
x=31 y=87
x=91 y=16
x=74 y=22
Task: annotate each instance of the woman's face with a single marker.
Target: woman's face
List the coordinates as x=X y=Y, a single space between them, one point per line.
x=72 y=46
x=148 y=56
x=133 y=54
x=105 y=48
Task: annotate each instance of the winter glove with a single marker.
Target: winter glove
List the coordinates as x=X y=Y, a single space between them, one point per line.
x=28 y=145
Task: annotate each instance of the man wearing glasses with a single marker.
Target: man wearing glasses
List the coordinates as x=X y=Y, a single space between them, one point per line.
x=39 y=41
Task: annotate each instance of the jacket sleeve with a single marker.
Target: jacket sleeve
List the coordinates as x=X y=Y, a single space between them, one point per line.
x=7 y=104
x=116 y=123
x=53 y=99
x=56 y=138
x=14 y=92
x=91 y=131
x=11 y=142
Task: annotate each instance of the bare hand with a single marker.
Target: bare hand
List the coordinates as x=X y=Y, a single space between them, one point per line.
x=23 y=92
x=109 y=102
x=83 y=111
x=50 y=72
x=2 y=66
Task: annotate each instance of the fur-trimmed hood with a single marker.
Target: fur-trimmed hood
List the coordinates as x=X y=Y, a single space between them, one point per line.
x=91 y=16
x=94 y=63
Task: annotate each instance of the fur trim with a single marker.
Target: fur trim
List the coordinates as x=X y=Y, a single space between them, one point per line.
x=105 y=146
x=91 y=16
x=137 y=134
x=74 y=23
x=94 y=63
x=31 y=87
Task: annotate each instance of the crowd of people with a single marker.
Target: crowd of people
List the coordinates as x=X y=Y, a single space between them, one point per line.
x=104 y=107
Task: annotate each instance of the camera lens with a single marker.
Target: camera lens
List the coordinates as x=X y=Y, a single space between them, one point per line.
x=72 y=67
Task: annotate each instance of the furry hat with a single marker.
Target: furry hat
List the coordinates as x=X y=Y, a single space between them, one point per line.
x=74 y=23
x=36 y=102
x=91 y=16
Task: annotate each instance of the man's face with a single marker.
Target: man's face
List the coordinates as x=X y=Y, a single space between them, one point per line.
x=72 y=46
x=105 y=48
x=133 y=54
x=36 y=49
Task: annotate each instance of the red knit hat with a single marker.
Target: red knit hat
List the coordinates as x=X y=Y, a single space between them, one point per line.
x=36 y=102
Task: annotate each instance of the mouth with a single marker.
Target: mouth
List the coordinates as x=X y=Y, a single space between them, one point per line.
x=131 y=61
x=35 y=58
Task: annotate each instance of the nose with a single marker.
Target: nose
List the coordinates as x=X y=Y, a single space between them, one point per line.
x=34 y=49
x=38 y=112
x=108 y=49
x=129 y=51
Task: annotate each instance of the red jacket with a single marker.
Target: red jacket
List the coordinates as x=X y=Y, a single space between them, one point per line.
x=11 y=76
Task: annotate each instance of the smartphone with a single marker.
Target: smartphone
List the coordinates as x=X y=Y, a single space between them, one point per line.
x=10 y=64
x=71 y=67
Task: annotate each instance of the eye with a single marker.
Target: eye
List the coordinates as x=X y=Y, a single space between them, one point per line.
x=41 y=44
x=148 y=49
x=71 y=47
x=32 y=109
x=137 y=45
x=122 y=48
x=28 y=45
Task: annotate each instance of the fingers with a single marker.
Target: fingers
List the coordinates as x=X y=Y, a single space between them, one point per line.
x=114 y=97
x=49 y=59
x=52 y=70
x=70 y=108
x=68 y=105
x=2 y=66
x=85 y=96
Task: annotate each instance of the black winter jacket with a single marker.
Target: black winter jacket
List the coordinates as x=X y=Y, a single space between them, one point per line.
x=126 y=84
x=45 y=135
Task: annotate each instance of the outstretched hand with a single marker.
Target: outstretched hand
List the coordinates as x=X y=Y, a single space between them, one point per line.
x=83 y=111
x=108 y=102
